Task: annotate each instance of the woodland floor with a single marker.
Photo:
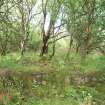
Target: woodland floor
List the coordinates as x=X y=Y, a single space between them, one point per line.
x=31 y=80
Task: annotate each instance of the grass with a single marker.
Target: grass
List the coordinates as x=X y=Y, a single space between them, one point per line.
x=56 y=93
x=31 y=62
x=15 y=62
x=72 y=96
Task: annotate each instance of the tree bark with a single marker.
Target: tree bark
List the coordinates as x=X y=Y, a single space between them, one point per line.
x=44 y=49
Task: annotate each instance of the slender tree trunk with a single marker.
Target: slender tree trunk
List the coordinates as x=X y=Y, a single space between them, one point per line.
x=77 y=48
x=53 y=53
x=4 y=44
x=46 y=37
x=44 y=49
x=22 y=47
x=90 y=5
x=54 y=44
x=70 y=46
x=23 y=31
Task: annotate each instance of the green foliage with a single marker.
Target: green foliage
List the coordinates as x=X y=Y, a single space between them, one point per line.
x=57 y=80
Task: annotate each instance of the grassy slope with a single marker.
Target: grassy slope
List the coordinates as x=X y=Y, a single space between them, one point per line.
x=72 y=96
